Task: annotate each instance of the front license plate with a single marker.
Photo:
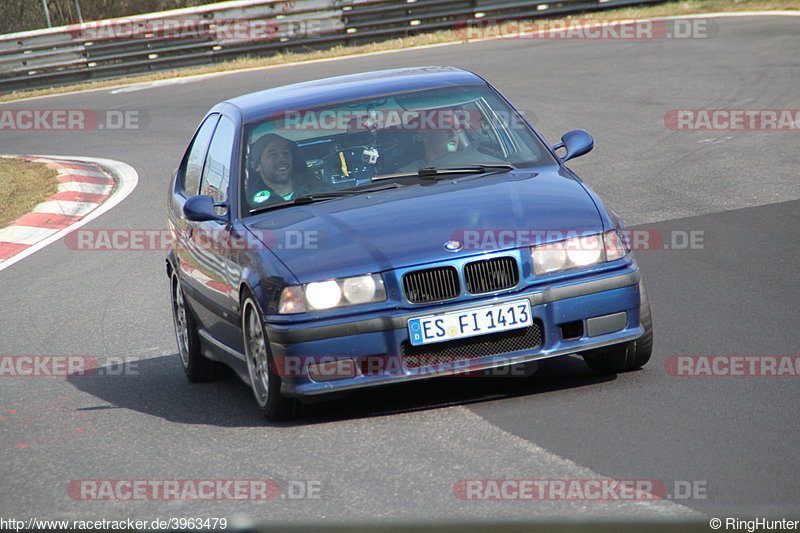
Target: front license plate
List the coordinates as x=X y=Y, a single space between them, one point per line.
x=470 y=322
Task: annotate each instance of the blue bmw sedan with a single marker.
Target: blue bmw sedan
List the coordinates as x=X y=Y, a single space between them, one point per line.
x=389 y=226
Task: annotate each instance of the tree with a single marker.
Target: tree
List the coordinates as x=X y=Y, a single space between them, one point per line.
x=23 y=15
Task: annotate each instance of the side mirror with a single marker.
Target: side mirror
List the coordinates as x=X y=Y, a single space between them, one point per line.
x=576 y=142
x=200 y=208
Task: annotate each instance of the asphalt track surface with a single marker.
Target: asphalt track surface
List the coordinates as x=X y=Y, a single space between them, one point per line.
x=395 y=453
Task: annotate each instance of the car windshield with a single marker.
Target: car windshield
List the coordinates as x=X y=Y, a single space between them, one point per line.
x=347 y=147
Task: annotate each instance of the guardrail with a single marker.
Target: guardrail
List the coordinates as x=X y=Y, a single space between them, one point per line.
x=204 y=35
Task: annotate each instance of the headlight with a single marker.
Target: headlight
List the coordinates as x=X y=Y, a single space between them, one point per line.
x=585 y=251
x=549 y=257
x=332 y=293
x=359 y=290
x=577 y=252
x=323 y=295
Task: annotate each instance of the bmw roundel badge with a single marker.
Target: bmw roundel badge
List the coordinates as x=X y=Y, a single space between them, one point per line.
x=453 y=246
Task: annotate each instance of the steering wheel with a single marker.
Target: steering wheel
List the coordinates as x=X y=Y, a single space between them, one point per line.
x=349 y=165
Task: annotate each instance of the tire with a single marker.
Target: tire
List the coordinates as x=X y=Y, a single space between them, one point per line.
x=197 y=367
x=264 y=381
x=630 y=355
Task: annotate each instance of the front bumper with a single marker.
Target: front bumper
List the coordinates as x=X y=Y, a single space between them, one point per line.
x=605 y=306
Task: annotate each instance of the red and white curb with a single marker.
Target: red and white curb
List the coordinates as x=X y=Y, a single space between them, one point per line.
x=87 y=188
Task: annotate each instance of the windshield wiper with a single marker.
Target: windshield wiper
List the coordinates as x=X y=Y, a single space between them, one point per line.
x=444 y=171
x=322 y=196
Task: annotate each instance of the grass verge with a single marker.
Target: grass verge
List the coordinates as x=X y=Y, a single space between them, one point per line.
x=666 y=9
x=23 y=185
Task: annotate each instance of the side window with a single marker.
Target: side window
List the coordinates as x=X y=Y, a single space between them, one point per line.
x=217 y=170
x=196 y=156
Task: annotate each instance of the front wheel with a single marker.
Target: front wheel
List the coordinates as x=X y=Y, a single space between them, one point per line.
x=630 y=355
x=266 y=384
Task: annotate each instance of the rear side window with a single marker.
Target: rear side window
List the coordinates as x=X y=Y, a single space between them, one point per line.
x=217 y=169
x=197 y=155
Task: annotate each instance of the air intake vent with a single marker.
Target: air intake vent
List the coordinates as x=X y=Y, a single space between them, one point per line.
x=431 y=285
x=491 y=275
x=439 y=353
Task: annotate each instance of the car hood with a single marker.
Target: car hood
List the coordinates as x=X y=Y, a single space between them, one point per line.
x=409 y=226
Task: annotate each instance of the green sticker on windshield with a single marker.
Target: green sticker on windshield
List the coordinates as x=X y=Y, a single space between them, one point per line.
x=261 y=197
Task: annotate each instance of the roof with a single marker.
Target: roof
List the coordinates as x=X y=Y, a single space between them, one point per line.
x=262 y=104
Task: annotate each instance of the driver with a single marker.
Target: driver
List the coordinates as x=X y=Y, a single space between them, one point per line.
x=438 y=141
x=446 y=142
x=436 y=144
x=277 y=172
